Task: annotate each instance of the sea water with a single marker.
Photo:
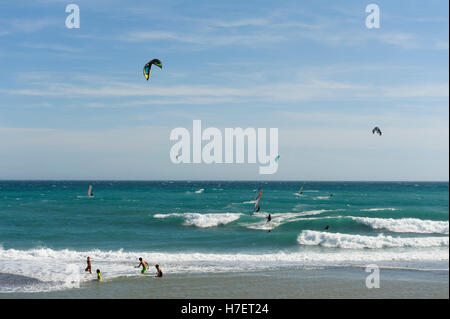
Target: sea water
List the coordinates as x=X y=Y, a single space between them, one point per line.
x=48 y=228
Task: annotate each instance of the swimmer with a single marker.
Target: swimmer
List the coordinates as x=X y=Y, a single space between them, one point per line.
x=144 y=265
x=89 y=265
x=159 y=271
x=99 y=275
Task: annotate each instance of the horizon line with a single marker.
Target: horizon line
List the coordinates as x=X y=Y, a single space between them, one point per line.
x=218 y=180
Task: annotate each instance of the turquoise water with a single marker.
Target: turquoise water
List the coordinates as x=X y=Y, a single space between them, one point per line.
x=210 y=227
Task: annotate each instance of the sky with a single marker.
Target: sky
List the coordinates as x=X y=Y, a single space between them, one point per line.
x=74 y=103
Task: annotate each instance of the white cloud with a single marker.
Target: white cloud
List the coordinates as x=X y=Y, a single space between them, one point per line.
x=52 y=47
x=242 y=22
x=345 y=153
x=441 y=45
x=29 y=25
x=313 y=90
x=196 y=38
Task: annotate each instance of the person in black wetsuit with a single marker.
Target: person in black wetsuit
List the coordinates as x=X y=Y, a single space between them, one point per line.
x=159 y=271
x=269 y=218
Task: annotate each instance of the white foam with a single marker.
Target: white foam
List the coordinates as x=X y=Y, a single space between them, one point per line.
x=318 y=218
x=321 y=197
x=168 y=215
x=201 y=190
x=280 y=218
x=51 y=266
x=338 y=240
x=378 y=209
x=405 y=225
x=203 y=220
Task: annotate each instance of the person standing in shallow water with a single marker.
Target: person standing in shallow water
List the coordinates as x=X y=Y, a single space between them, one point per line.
x=269 y=219
x=89 y=265
x=144 y=265
x=159 y=272
x=99 y=275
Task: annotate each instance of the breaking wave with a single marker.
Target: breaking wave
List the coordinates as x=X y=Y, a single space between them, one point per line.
x=203 y=220
x=405 y=225
x=337 y=240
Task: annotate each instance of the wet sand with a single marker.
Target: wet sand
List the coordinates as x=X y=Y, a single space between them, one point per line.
x=286 y=284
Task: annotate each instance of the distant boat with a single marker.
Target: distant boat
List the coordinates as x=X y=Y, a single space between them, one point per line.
x=90 y=191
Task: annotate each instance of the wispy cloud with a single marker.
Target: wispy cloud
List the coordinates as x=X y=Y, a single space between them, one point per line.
x=289 y=92
x=29 y=25
x=249 y=39
x=268 y=35
x=442 y=45
x=242 y=23
x=403 y=40
x=52 y=47
x=426 y=90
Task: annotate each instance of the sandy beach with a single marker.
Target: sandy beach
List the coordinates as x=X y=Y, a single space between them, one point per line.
x=288 y=284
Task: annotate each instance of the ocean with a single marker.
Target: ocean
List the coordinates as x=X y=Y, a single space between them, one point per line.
x=209 y=228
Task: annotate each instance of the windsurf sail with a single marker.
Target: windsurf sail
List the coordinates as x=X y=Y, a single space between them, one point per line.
x=301 y=190
x=90 y=191
x=257 y=193
x=257 y=199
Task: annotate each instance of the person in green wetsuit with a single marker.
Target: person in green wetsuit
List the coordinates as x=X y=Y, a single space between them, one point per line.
x=99 y=275
x=144 y=265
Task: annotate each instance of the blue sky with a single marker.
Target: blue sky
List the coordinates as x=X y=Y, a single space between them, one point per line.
x=75 y=105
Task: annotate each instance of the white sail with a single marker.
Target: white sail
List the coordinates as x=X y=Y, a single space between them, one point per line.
x=90 y=193
x=258 y=198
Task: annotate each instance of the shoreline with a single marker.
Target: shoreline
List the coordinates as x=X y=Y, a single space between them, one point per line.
x=330 y=283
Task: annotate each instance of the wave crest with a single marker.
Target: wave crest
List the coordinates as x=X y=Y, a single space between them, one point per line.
x=203 y=220
x=338 y=240
x=405 y=225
